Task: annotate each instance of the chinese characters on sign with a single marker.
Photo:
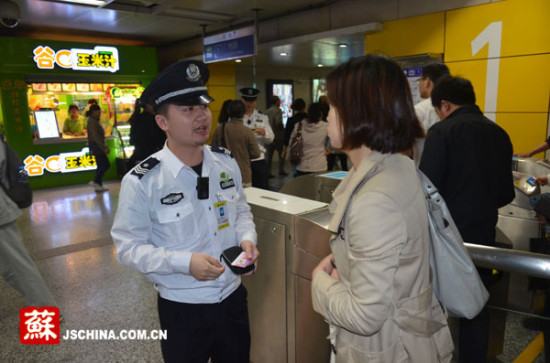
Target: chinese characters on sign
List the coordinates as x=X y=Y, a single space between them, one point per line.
x=102 y=59
x=14 y=90
x=64 y=163
x=39 y=325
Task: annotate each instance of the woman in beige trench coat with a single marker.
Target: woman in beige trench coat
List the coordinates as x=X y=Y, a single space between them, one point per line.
x=374 y=289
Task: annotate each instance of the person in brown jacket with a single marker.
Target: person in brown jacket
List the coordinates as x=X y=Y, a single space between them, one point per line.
x=239 y=139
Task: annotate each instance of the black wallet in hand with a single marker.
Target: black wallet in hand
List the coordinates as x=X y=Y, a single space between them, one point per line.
x=229 y=255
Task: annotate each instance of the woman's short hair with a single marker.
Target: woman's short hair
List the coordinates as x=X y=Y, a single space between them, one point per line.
x=73 y=106
x=298 y=104
x=374 y=104
x=315 y=112
x=236 y=109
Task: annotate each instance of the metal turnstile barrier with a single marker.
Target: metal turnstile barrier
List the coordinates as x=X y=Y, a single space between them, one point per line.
x=292 y=238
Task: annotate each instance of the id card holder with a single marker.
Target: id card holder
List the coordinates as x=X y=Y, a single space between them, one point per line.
x=222 y=217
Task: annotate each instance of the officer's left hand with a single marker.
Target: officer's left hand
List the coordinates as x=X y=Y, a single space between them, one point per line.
x=251 y=252
x=260 y=131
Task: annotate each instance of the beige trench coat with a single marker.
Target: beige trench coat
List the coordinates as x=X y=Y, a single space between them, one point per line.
x=382 y=308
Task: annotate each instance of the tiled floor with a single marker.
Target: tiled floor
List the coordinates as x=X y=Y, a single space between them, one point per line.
x=66 y=231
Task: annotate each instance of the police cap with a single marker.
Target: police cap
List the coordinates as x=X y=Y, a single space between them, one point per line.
x=182 y=83
x=249 y=93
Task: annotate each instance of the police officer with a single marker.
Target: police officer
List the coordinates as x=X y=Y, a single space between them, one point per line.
x=259 y=123
x=178 y=211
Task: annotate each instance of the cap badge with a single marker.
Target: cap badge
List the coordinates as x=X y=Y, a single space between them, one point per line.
x=250 y=91
x=193 y=73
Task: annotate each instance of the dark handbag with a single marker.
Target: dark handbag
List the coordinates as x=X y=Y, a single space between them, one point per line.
x=297 y=147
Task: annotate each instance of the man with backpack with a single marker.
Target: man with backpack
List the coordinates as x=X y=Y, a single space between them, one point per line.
x=16 y=266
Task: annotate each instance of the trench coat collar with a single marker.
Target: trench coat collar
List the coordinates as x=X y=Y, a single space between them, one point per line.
x=347 y=186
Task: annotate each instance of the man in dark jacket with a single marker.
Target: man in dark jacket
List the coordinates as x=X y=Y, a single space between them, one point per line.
x=469 y=159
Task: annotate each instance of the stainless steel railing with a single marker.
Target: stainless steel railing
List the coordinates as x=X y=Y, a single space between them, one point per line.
x=527 y=263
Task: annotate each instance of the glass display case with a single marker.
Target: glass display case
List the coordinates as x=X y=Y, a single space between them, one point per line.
x=123 y=149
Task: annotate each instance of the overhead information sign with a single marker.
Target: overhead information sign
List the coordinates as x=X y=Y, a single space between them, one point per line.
x=231 y=45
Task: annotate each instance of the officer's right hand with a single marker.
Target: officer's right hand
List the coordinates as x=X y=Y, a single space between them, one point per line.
x=204 y=267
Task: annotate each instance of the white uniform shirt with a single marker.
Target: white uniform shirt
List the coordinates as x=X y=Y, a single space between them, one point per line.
x=160 y=223
x=425 y=112
x=259 y=120
x=427 y=116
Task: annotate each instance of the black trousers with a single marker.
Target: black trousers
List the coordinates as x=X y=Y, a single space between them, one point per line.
x=331 y=160
x=197 y=332
x=102 y=162
x=270 y=150
x=259 y=174
x=474 y=333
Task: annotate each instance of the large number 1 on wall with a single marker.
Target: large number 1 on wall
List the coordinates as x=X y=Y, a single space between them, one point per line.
x=491 y=35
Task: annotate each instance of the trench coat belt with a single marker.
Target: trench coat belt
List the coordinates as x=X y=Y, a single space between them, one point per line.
x=410 y=315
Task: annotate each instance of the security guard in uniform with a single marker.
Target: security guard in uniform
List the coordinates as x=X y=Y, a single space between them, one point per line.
x=259 y=123
x=178 y=211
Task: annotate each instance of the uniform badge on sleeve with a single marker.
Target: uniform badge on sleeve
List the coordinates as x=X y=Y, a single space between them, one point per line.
x=172 y=198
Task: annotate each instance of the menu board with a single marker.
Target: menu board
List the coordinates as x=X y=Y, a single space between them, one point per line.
x=83 y=87
x=46 y=123
x=68 y=87
x=54 y=87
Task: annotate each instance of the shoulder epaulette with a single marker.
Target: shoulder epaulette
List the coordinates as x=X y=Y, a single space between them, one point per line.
x=145 y=166
x=220 y=150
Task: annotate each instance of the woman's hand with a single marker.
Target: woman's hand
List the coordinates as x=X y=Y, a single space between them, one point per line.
x=327 y=265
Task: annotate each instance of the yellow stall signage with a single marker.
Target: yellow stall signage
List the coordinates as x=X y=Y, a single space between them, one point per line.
x=101 y=58
x=62 y=163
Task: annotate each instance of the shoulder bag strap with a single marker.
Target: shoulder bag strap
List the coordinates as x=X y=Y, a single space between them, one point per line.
x=369 y=175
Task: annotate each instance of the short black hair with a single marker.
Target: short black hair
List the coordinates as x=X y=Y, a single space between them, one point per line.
x=435 y=71
x=315 y=112
x=456 y=90
x=236 y=109
x=298 y=104
x=93 y=108
x=163 y=109
x=73 y=106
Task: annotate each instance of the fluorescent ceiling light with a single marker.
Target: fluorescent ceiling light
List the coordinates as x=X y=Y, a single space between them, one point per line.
x=238 y=61
x=343 y=45
x=283 y=54
x=319 y=65
x=87 y=2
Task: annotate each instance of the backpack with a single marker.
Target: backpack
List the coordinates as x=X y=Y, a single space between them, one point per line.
x=19 y=189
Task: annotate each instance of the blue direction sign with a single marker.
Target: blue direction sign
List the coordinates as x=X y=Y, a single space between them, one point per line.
x=231 y=45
